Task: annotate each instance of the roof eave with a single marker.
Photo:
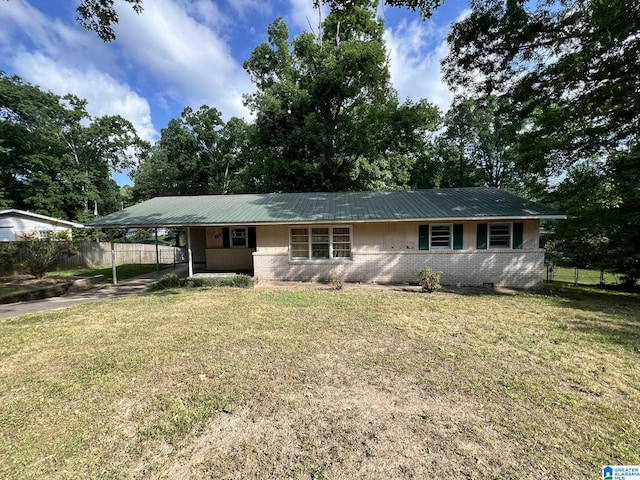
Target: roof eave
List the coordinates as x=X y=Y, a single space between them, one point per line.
x=329 y=221
x=52 y=220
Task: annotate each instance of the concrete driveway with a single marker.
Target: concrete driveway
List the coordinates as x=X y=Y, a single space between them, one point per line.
x=132 y=286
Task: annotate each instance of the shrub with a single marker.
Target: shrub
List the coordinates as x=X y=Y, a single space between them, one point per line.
x=168 y=280
x=429 y=279
x=43 y=255
x=336 y=279
x=242 y=281
x=8 y=257
x=171 y=280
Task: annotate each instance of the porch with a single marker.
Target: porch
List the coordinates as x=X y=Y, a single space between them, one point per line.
x=221 y=250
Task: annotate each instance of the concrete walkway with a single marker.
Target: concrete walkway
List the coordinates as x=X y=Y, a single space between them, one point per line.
x=131 y=286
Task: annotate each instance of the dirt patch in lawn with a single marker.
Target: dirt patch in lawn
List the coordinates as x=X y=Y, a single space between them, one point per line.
x=347 y=431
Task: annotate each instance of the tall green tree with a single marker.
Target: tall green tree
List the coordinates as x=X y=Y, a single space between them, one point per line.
x=327 y=117
x=478 y=145
x=570 y=68
x=570 y=71
x=197 y=154
x=55 y=158
x=602 y=199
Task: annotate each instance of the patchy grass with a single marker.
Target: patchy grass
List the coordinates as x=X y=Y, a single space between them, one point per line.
x=307 y=382
x=123 y=271
x=7 y=289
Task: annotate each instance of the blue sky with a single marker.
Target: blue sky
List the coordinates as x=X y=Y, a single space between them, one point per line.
x=180 y=53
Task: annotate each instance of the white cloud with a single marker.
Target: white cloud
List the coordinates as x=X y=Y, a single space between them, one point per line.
x=303 y=14
x=245 y=8
x=65 y=59
x=415 y=62
x=51 y=37
x=104 y=94
x=189 y=62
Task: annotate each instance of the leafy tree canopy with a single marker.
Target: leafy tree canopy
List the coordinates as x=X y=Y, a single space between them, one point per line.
x=197 y=154
x=55 y=158
x=327 y=117
x=571 y=70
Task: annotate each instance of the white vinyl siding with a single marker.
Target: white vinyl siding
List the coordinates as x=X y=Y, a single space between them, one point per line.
x=7 y=234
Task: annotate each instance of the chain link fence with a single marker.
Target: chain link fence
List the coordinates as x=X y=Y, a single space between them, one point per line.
x=580 y=276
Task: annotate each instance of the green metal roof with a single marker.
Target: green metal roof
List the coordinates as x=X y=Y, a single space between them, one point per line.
x=329 y=207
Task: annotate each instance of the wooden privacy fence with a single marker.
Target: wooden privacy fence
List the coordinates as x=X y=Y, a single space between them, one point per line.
x=93 y=254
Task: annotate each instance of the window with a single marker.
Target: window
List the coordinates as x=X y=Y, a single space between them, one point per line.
x=441 y=236
x=499 y=235
x=239 y=237
x=299 y=243
x=319 y=243
x=43 y=234
x=342 y=242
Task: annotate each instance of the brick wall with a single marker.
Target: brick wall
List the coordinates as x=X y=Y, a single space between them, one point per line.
x=513 y=268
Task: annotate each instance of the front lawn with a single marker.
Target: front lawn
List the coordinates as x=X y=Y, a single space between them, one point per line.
x=123 y=271
x=305 y=382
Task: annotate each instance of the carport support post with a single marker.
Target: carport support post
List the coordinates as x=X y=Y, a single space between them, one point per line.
x=113 y=258
x=157 y=254
x=189 y=255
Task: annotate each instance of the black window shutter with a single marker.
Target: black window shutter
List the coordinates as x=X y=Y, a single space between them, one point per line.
x=481 y=243
x=457 y=236
x=423 y=237
x=226 y=237
x=252 y=237
x=518 y=230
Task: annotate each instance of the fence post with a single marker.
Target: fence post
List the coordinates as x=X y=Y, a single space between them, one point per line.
x=575 y=276
x=601 y=276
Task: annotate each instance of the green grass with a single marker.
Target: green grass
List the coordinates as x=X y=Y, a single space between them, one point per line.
x=7 y=289
x=308 y=382
x=585 y=276
x=123 y=271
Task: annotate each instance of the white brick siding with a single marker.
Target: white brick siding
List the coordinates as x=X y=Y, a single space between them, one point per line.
x=512 y=268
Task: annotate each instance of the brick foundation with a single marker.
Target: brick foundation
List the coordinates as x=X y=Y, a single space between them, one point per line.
x=509 y=268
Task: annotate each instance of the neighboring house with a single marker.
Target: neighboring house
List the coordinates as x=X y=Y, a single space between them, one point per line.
x=15 y=224
x=475 y=236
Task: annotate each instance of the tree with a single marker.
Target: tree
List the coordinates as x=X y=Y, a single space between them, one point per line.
x=197 y=154
x=571 y=70
x=99 y=16
x=570 y=74
x=603 y=202
x=478 y=145
x=326 y=115
x=43 y=255
x=55 y=158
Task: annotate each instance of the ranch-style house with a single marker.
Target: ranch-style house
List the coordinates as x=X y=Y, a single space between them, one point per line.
x=475 y=236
